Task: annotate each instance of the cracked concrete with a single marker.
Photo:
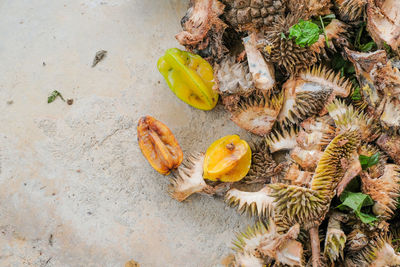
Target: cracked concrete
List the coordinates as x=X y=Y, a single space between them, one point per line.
x=75 y=189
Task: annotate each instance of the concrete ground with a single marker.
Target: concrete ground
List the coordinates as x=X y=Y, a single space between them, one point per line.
x=75 y=189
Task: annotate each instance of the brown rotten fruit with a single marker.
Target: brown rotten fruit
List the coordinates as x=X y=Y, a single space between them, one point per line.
x=158 y=145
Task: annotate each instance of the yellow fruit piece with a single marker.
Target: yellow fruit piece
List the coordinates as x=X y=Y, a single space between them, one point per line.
x=228 y=159
x=190 y=77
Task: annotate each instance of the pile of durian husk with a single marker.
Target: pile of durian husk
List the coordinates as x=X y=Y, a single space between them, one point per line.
x=314 y=121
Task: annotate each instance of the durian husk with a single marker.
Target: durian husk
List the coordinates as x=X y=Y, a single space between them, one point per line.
x=390 y=144
x=384 y=190
x=335 y=239
x=188 y=179
x=255 y=203
x=356 y=240
x=282 y=139
x=378 y=169
x=311 y=92
x=264 y=242
x=263 y=166
x=348 y=118
x=379 y=252
x=351 y=10
x=284 y=52
x=309 y=205
x=257 y=113
x=203 y=29
x=383 y=22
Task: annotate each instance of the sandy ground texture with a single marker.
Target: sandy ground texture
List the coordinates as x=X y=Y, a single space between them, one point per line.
x=75 y=189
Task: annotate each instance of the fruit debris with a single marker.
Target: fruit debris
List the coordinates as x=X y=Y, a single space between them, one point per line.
x=317 y=83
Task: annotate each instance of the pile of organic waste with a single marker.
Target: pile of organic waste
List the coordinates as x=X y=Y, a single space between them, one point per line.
x=319 y=82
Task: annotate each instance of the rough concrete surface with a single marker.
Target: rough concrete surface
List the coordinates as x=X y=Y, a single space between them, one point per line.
x=75 y=189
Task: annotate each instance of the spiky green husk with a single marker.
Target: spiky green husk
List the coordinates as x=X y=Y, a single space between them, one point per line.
x=348 y=118
x=282 y=139
x=330 y=170
x=299 y=204
x=351 y=10
x=257 y=113
x=255 y=203
x=263 y=166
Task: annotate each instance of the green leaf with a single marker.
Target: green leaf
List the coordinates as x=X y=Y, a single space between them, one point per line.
x=364 y=161
x=355 y=201
x=54 y=95
x=283 y=36
x=367 y=47
x=373 y=160
x=367 y=162
x=356 y=96
x=305 y=32
x=366 y=218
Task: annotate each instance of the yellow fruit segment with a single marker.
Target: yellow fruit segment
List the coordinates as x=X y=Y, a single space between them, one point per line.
x=190 y=77
x=228 y=159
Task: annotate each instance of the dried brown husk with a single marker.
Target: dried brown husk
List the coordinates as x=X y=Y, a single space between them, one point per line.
x=384 y=22
x=263 y=166
x=351 y=10
x=203 y=29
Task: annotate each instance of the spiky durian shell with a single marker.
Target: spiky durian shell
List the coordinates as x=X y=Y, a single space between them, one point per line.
x=282 y=139
x=378 y=252
x=255 y=203
x=330 y=170
x=284 y=52
x=263 y=166
x=309 y=205
x=356 y=240
x=264 y=242
x=253 y=14
x=188 y=178
x=335 y=240
x=390 y=118
x=351 y=10
x=390 y=144
x=384 y=190
x=347 y=118
x=257 y=113
x=299 y=204
x=233 y=77
x=311 y=91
